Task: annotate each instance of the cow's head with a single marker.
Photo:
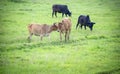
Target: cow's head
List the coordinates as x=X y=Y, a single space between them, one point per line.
x=54 y=27
x=59 y=26
x=69 y=13
x=90 y=25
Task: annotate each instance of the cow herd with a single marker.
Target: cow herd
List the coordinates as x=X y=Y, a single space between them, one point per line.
x=63 y=27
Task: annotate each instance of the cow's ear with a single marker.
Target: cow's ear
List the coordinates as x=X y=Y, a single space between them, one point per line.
x=54 y=23
x=93 y=22
x=87 y=15
x=60 y=23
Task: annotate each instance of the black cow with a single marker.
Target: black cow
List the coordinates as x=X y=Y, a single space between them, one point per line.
x=60 y=9
x=85 y=21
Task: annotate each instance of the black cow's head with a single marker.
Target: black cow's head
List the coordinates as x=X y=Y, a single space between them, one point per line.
x=69 y=13
x=90 y=25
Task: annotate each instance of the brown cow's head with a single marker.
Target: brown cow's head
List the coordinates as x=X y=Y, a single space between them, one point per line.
x=59 y=26
x=53 y=27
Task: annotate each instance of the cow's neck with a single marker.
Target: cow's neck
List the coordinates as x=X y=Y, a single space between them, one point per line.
x=49 y=30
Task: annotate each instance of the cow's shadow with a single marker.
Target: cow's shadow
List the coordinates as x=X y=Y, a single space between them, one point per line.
x=58 y=43
x=46 y=44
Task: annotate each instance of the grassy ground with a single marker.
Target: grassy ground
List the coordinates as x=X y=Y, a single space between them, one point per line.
x=96 y=52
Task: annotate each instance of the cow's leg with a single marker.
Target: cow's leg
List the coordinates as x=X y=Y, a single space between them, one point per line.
x=41 y=37
x=53 y=13
x=91 y=29
x=49 y=37
x=56 y=14
x=81 y=26
x=77 y=25
x=66 y=35
x=62 y=14
x=69 y=34
x=60 y=36
x=85 y=27
x=66 y=15
x=29 y=37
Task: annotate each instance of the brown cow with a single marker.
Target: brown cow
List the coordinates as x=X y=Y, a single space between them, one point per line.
x=64 y=27
x=41 y=30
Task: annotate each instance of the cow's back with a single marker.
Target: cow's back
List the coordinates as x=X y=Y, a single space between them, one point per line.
x=37 y=29
x=84 y=19
x=45 y=29
x=66 y=23
x=58 y=7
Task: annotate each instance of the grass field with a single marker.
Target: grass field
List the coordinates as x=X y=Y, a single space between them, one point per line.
x=87 y=52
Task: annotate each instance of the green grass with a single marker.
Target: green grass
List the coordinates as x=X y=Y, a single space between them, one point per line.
x=96 y=52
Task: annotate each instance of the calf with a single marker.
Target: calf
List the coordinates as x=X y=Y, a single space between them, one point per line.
x=64 y=27
x=60 y=9
x=41 y=30
x=85 y=21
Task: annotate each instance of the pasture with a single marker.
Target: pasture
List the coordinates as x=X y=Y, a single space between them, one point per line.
x=87 y=52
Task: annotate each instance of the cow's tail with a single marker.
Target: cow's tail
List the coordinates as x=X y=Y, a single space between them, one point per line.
x=77 y=23
x=30 y=28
